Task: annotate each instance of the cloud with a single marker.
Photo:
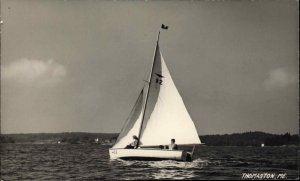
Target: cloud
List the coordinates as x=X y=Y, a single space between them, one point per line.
x=33 y=72
x=279 y=78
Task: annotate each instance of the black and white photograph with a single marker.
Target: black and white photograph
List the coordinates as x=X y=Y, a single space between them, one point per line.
x=149 y=90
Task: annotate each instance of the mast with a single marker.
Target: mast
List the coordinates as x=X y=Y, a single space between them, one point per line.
x=145 y=105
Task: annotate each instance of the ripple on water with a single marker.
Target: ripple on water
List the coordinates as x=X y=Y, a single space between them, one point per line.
x=83 y=162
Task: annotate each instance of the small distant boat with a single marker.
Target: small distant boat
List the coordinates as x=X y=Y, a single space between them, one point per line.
x=158 y=115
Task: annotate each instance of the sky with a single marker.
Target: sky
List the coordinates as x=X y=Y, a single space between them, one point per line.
x=79 y=65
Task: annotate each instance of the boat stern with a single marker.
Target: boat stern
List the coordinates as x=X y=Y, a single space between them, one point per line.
x=186 y=156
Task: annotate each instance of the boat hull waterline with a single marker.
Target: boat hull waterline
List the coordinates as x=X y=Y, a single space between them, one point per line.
x=149 y=154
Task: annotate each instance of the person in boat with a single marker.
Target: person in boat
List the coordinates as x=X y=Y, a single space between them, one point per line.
x=134 y=143
x=173 y=146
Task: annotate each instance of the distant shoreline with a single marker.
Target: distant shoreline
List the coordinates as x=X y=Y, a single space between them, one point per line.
x=236 y=139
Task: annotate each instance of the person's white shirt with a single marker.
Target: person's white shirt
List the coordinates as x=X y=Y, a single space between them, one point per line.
x=134 y=143
x=173 y=146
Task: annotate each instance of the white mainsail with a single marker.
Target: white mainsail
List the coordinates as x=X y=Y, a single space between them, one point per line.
x=166 y=116
x=159 y=113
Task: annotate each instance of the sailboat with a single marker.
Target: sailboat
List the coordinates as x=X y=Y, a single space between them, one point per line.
x=158 y=116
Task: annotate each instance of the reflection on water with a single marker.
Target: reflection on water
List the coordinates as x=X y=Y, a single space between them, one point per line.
x=167 y=169
x=197 y=163
x=176 y=170
x=173 y=174
x=157 y=169
x=91 y=162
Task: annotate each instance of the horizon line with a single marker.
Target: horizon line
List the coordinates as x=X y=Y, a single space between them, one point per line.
x=119 y=133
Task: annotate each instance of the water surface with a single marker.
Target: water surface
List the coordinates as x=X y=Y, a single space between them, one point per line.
x=91 y=162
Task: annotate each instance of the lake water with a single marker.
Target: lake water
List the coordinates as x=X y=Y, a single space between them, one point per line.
x=91 y=162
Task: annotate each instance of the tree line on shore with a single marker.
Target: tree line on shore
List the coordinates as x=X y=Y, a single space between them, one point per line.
x=68 y=138
x=236 y=139
x=250 y=139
